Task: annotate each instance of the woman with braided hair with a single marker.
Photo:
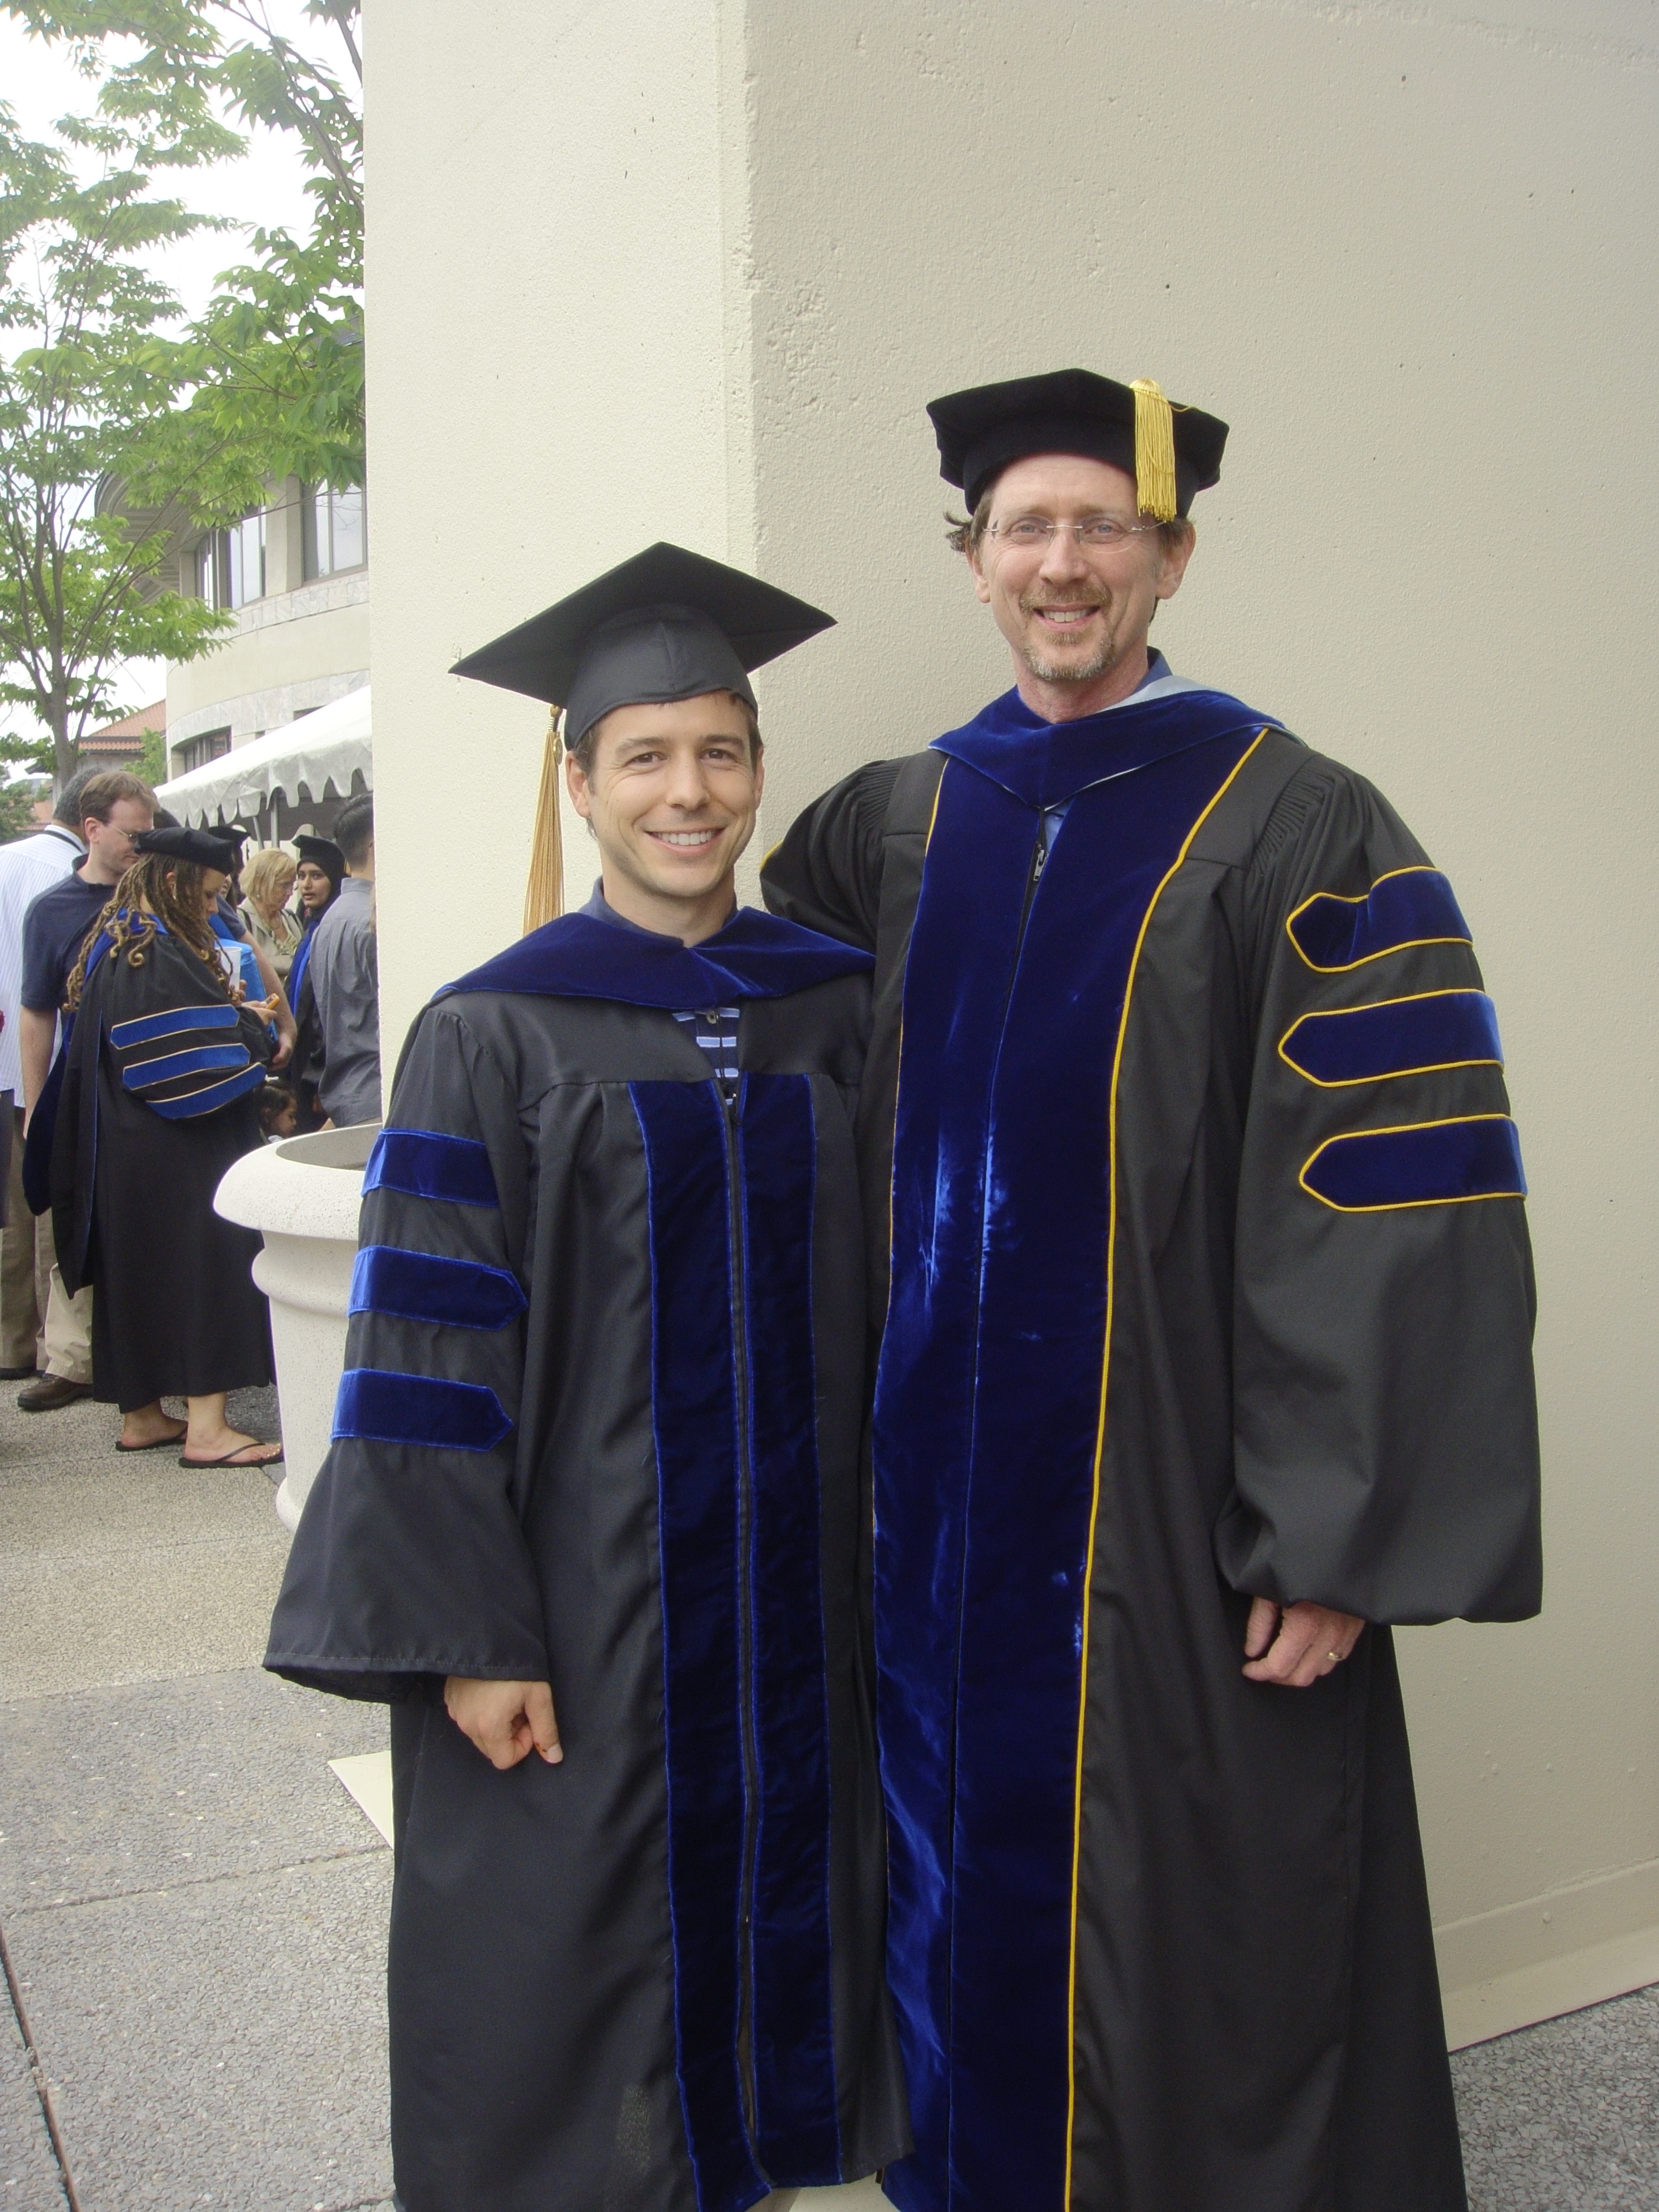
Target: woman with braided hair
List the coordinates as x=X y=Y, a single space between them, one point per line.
x=160 y=1080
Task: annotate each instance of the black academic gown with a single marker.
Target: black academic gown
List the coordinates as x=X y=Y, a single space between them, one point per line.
x=1227 y=1295
x=154 y=1098
x=600 y=1426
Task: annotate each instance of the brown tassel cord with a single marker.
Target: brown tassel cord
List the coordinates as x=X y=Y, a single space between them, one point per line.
x=543 y=895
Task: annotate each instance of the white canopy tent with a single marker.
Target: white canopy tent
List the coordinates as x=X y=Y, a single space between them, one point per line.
x=322 y=751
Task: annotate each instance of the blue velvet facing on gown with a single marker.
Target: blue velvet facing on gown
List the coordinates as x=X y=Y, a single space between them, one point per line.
x=706 y=1580
x=424 y=1287
x=989 y=1404
x=1427 y=1164
x=427 y=1164
x=695 y=1418
x=756 y=955
x=1411 y=906
x=795 y=2098
x=1397 y=1037
x=419 y=1409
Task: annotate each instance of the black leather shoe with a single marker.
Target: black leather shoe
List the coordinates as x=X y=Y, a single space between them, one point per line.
x=51 y=1392
x=16 y=1374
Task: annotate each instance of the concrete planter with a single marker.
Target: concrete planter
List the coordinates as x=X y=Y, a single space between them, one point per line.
x=302 y=1197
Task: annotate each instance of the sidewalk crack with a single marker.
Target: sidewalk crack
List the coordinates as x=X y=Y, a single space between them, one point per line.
x=38 y=2075
x=25 y=1909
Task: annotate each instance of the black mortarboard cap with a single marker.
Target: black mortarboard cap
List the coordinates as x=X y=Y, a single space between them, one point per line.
x=1073 y=411
x=668 y=624
x=322 y=852
x=205 y=846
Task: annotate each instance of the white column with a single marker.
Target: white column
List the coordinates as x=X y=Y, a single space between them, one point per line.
x=691 y=268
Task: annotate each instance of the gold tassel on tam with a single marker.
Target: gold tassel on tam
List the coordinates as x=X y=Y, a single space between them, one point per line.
x=1155 y=463
x=543 y=895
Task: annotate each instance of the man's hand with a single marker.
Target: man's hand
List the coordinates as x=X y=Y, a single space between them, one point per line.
x=507 y=1720
x=1294 y=1645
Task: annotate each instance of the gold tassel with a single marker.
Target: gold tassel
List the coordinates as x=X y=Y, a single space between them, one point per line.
x=543 y=895
x=1155 y=463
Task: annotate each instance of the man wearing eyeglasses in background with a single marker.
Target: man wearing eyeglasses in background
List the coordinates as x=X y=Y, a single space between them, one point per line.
x=1207 y=1356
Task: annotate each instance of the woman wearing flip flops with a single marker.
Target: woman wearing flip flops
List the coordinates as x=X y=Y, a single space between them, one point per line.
x=161 y=1078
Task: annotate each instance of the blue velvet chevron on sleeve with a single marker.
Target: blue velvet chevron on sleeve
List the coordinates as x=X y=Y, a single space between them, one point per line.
x=431 y=1164
x=1405 y=908
x=1422 y=1164
x=410 y=1559
x=419 y=1409
x=1422 y=1035
x=426 y=1286
x=186 y=1061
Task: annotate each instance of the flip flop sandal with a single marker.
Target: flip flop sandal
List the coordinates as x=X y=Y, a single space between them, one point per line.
x=233 y=1458
x=156 y=1444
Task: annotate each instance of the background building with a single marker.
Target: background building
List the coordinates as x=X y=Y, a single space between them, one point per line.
x=690 y=269
x=295 y=573
x=123 y=743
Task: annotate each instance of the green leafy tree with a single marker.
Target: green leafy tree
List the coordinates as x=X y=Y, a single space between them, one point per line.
x=119 y=430
x=101 y=449
x=18 y=798
x=277 y=358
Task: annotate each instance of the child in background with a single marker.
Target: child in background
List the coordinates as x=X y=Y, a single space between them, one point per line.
x=279 y=1113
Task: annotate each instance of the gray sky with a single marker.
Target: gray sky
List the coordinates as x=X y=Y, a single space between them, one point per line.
x=264 y=188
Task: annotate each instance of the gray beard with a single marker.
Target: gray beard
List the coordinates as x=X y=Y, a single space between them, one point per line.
x=1076 y=671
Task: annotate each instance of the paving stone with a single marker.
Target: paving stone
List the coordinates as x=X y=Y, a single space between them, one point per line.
x=111 y=1790
x=222 y=2043
x=1564 y=2118
x=101 y=1507
x=129 y=1569
x=28 y=2171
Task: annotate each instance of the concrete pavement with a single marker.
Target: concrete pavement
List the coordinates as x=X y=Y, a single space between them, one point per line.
x=194 y=1909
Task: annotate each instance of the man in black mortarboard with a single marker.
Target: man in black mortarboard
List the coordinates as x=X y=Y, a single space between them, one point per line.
x=1206 y=1356
x=594 y=1489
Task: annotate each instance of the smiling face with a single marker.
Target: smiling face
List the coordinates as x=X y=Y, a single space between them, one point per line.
x=1077 y=619
x=671 y=795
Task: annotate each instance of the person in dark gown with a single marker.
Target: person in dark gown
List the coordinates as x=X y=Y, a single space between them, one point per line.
x=1207 y=1357
x=158 y=1097
x=317 y=885
x=591 y=1519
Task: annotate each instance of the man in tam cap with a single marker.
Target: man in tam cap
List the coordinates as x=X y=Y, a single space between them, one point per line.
x=1206 y=1356
x=594 y=1493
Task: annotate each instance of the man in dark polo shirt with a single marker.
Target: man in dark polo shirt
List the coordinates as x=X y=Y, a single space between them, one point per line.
x=113 y=806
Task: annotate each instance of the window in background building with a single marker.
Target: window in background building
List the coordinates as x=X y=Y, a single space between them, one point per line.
x=230 y=565
x=208 y=565
x=246 y=561
x=196 y=752
x=336 y=525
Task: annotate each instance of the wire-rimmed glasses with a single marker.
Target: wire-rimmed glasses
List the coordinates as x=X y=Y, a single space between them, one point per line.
x=1093 y=533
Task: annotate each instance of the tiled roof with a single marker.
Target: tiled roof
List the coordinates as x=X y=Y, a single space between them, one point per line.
x=108 y=746
x=153 y=717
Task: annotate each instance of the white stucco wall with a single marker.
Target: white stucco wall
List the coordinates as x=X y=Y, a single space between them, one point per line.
x=546 y=346
x=690 y=269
